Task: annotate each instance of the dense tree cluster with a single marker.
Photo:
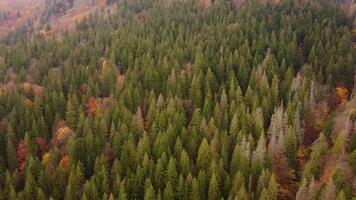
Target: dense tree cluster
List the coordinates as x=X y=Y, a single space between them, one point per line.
x=175 y=100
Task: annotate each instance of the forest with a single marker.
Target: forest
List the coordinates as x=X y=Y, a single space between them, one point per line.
x=182 y=100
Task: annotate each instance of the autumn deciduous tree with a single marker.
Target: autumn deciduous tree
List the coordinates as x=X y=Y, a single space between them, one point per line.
x=21 y=156
x=92 y=105
x=64 y=163
x=167 y=100
x=342 y=94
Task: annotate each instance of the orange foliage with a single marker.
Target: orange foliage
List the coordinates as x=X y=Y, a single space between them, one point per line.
x=61 y=135
x=36 y=88
x=284 y=176
x=328 y=172
x=21 y=156
x=342 y=93
x=64 y=163
x=26 y=86
x=92 y=105
x=301 y=156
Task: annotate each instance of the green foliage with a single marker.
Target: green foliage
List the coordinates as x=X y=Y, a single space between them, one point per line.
x=353 y=160
x=172 y=100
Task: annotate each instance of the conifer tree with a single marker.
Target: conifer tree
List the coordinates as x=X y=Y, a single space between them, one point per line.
x=214 y=191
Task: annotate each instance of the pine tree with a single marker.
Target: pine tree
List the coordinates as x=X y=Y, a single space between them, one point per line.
x=122 y=192
x=30 y=191
x=203 y=159
x=11 y=155
x=214 y=191
x=181 y=193
x=149 y=191
x=184 y=163
x=273 y=188
x=171 y=173
x=302 y=193
x=168 y=191
x=71 y=114
x=195 y=190
x=341 y=196
x=291 y=147
x=330 y=191
x=40 y=195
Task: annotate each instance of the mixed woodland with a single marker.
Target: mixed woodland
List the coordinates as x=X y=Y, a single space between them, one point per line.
x=182 y=99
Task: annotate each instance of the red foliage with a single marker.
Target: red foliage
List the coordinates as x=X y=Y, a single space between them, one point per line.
x=64 y=163
x=92 y=105
x=21 y=156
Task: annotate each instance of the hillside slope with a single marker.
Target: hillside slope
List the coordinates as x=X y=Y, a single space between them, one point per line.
x=58 y=14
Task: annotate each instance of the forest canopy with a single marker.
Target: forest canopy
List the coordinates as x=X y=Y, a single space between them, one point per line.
x=182 y=99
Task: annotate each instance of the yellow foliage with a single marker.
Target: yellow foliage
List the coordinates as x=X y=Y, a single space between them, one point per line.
x=354 y=31
x=63 y=133
x=45 y=158
x=301 y=156
x=352 y=115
